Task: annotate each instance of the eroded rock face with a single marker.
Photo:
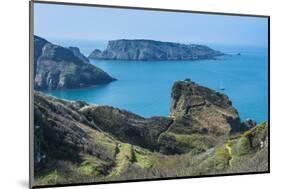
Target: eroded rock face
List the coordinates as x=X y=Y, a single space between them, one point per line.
x=57 y=67
x=141 y=49
x=77 y=53
x=38 y=46
x=202 y=109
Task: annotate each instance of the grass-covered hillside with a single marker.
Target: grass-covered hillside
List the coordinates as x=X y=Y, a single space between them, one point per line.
x=76 y=142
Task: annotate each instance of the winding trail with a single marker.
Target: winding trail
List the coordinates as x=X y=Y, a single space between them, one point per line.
x=228 y=147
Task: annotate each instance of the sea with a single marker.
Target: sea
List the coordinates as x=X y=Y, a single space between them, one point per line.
x=144 y=87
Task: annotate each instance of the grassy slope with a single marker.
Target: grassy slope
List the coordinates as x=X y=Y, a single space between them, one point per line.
x=133 y=162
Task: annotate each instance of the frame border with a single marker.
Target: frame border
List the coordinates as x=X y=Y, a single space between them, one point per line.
x=31 y=90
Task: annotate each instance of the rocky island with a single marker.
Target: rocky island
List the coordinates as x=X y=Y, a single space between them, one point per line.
x=203 y=135
x=142 y=49
x=57 y=67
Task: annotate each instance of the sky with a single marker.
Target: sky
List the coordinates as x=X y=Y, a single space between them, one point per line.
x=53 y=21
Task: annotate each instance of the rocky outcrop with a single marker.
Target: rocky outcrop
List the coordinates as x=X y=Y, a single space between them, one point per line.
x=201 y=119
x=202 y=109
x=141 y=49
x=77 y=53
x=248 y=124
x=57 y=67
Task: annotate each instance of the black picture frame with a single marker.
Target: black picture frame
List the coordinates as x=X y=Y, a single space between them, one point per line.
x=31 y=74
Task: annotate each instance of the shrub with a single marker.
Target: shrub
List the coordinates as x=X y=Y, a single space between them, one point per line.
x=243 y=146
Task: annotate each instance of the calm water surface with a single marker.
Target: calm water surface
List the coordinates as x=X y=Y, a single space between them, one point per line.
x=144 y=87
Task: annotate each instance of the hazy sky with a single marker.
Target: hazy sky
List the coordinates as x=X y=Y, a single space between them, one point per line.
x=92 y=23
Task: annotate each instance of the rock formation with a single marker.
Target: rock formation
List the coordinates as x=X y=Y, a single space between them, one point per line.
x=77 y=53
x=56 y=67
x=125 y=49
x=201 y=118
x=202 y=109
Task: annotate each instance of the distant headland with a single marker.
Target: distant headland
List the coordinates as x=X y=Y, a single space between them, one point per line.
x=143 y=49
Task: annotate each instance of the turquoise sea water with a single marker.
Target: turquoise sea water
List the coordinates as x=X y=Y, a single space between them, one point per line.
x=144 y=87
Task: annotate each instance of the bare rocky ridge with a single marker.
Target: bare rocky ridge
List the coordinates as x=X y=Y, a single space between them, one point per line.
x=141 y=49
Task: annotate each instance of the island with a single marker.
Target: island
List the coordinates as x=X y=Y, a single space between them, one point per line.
x=97 y=143
x=57 y=67
x=149 y=50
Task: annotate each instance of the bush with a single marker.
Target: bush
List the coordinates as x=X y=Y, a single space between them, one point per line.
x=243 y=146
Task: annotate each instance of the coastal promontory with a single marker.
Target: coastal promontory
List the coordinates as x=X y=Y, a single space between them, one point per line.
x=57 y=67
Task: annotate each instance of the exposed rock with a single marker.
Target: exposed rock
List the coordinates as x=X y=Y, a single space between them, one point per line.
x=38 y=46
x=201 y=119
x=77 y=53
x=248 y=124
x=202 y=109
x=58 y=67
x=141 y=49
x=96 y=54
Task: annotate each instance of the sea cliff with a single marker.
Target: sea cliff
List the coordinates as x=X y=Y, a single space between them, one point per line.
x=57 y=67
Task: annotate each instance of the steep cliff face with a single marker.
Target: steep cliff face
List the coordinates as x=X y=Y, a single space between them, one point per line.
x=38 y=46
x=57 y=67
x=153 y=50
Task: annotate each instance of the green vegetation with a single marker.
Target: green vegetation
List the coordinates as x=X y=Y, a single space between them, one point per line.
x=257 y=129
x=194 y=143
x=124 y=158
x=50 y=177
x=142 y=159
x=243 y=146
x=91 y=165
x=187 y=143
x=103 y=143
